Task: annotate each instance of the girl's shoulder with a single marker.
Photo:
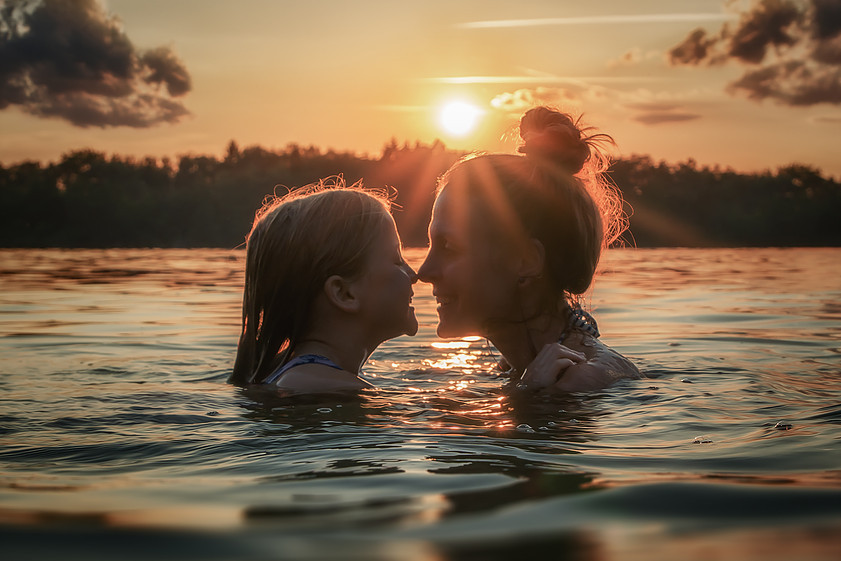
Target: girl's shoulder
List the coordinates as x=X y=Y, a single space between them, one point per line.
x=315 y=377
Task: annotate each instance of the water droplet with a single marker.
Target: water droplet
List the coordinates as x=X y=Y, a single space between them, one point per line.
x=686 y=380
x=702 y=440
x=324 y=410
x=782 y=426
x=524 y=428
x=212 y=413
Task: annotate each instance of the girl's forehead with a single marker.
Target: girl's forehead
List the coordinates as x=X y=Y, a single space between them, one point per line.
x=389 y=229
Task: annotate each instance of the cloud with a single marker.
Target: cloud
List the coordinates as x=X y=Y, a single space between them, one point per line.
x=69 y=59
x=792 y=49
x=793 y=82
x=633 y=57
x=525 y=98
x=580 y=81
x=652 y=106
x=828 y=119
x=594 y=20
x=660 y=117
x=650 y=109
x=696 y=48
x=827 y=19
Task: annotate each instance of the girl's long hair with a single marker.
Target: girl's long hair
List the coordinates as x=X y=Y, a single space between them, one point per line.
x=295 y=244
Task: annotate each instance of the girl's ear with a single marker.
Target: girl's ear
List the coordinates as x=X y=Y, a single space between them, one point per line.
x=341 y=294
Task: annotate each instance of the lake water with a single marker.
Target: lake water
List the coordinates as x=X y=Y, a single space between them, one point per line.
x=119 y=438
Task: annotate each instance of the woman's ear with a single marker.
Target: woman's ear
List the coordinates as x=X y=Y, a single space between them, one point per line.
x=532 y=259
x=340 y=293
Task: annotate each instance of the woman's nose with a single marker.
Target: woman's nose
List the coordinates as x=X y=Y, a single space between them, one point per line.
x=425 y=271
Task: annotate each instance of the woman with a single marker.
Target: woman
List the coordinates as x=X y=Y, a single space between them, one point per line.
x=514 y=243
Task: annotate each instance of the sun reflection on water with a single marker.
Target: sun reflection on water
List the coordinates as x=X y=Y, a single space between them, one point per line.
x=467 y=355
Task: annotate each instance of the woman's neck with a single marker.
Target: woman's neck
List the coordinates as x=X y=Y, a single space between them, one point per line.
x=519 y=342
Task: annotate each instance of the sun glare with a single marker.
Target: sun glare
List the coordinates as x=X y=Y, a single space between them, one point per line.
x=459 y=118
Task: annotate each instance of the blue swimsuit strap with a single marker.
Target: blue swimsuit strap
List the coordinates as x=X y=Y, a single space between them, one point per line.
x=297 y=361
x=581 y=321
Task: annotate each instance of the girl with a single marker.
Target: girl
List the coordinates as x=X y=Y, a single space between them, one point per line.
x=514 y=243
x=325 y=284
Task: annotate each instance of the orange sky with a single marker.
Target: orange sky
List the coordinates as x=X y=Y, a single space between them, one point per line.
x=351 y=75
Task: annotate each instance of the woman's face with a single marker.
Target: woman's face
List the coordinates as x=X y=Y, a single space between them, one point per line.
x=387 y=287
x=469 y=280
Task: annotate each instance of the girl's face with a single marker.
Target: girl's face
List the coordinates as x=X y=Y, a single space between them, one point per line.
x=470 y=282
x=386 y=287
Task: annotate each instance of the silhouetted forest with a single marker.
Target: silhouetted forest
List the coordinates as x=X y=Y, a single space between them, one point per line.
x=89 y=199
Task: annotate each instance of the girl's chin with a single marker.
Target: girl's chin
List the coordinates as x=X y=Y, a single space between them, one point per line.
x=411 y=327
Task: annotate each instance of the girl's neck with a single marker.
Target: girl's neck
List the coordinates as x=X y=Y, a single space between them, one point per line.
x=519 y=342
x=347 y=355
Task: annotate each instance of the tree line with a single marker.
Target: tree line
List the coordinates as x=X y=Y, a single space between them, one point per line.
x=89 y=199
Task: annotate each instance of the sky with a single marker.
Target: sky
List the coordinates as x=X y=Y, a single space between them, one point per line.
x=748 y=85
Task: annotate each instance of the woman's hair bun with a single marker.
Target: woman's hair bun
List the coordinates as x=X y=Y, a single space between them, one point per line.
x=551 y=135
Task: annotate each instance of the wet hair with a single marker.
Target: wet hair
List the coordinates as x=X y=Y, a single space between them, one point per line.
x=296 y=243
x=555 y=192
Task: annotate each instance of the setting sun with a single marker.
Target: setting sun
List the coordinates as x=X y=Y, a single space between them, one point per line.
x=459 y=118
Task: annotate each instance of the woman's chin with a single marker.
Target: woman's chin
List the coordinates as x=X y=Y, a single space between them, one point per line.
x=447 y=330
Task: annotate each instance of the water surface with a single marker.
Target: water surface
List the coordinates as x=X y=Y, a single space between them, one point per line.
x=119 y=437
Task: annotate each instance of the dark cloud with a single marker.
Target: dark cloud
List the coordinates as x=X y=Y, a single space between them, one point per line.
x=792 y=48
x=695 y=49
x=660 y=117
x=165 y=68
x=827 y=19
x=69 y=59
x=792 y=82
x=772 y=23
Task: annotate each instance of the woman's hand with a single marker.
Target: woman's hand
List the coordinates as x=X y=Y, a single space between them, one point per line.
x=549 y=367
x=560 y=368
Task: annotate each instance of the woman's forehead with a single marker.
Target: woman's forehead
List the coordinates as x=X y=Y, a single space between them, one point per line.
x=442 y=213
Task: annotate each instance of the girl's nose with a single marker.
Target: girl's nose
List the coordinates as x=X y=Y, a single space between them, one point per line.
x=413 y=276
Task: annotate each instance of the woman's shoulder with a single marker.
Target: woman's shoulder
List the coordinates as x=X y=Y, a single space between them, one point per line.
x=319 y=378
